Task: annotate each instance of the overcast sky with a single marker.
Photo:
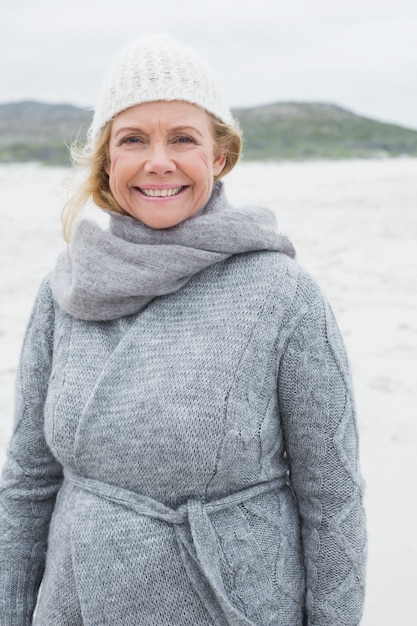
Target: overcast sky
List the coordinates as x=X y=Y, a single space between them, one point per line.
x=360 y=54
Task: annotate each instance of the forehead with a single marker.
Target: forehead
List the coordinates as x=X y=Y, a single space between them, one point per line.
x=168 y=114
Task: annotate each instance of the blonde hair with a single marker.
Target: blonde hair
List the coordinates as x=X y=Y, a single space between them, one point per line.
x=95 y=185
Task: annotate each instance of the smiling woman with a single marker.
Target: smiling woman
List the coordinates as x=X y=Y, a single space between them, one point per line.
x=162 y=161
x=185 y=443
x=93 y=157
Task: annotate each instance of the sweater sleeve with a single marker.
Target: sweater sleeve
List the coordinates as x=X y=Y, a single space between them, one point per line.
x=31 y=476
x=318 y=414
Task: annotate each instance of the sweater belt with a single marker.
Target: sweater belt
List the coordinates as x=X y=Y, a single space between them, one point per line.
x=196 y=537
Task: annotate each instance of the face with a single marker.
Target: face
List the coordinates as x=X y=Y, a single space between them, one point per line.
x=162 y=162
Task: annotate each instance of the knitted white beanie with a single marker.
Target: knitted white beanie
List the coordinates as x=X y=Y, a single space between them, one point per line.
x=157 y=67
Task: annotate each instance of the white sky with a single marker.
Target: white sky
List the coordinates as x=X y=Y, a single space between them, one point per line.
x=360 y=54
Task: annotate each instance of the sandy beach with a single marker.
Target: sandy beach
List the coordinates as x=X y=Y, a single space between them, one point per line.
x=354 y=226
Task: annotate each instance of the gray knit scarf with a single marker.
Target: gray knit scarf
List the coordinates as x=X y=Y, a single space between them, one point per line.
x=109 y=274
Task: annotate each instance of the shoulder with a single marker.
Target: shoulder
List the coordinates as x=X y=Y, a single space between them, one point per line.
x=43 y=306
x=37 y=346
x=43 y=314
x=44 y=295
x=278 y=274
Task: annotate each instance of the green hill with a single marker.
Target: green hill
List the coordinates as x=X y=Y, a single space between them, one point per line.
x=320 y=131
x=34 y=131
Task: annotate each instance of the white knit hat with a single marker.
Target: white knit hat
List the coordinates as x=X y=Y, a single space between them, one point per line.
x=157 y=67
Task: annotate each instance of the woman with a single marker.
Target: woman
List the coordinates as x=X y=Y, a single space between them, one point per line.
x=185 y=447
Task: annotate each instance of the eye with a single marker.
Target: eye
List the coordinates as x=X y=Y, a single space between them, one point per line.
x=131 y=140
x=184 y=139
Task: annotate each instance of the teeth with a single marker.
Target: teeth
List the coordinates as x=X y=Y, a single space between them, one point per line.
x=161 y=193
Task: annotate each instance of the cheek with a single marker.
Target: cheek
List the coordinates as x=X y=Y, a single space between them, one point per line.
x=118 y=170
x=111 y=155
x=202 y=164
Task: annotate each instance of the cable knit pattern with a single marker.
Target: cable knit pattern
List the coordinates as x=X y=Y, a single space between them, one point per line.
x=162 y=421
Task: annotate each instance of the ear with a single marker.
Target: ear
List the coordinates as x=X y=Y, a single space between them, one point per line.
x=218 y=164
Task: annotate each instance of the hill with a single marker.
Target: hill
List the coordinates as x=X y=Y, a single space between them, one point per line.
x=320 y=131
x=35 y=131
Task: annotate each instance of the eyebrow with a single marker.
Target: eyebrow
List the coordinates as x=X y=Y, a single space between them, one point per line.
x=176 y=129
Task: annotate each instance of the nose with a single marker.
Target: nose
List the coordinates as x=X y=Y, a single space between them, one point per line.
x=159 y=160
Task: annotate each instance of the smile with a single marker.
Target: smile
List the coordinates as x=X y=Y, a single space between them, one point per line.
x=161 y=193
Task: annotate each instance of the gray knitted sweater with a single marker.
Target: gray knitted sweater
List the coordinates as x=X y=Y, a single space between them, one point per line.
x=192 y=463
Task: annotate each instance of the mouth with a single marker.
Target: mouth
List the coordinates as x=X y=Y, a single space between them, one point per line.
x=161 y=193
